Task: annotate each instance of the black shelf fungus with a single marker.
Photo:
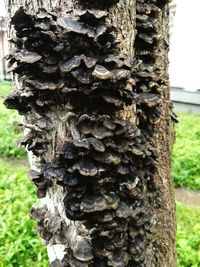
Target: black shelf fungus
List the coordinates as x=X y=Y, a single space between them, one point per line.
x=106 y=165
x=100 y=4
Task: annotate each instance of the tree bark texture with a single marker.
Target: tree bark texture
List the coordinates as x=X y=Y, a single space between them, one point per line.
x=91 y=82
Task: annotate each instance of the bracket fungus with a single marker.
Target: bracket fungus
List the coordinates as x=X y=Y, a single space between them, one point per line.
x=73 y=62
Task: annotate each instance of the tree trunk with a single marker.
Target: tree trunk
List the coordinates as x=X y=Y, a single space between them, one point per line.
x=92 y=85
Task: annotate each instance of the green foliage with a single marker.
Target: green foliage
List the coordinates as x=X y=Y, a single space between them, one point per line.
x=19 y=243
x=188 y=236
x=9 y=129
x=186 y=153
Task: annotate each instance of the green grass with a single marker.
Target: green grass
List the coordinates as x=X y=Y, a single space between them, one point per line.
x=186 y=153
x=188 y=236
x=9 y=129
x=19 y=243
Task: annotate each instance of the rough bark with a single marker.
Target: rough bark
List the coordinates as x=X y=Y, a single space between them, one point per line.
x=92 y=85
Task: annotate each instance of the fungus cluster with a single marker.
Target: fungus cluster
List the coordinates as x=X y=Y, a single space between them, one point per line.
x=151 y=80
x=106 y=164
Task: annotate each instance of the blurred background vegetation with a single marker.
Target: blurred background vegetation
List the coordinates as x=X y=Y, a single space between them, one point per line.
x=19 y=244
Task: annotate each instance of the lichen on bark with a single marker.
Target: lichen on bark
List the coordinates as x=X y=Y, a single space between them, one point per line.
x=92 y=86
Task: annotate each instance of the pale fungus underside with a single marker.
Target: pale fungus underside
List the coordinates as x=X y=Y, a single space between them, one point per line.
x=106 y=164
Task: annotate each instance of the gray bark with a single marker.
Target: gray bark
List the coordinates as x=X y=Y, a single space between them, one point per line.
x=92 y=85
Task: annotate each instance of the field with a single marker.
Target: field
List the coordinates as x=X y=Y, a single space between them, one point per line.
x=19 y=243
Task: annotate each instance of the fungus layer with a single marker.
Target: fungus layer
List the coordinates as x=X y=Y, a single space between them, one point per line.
x=105 y=165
